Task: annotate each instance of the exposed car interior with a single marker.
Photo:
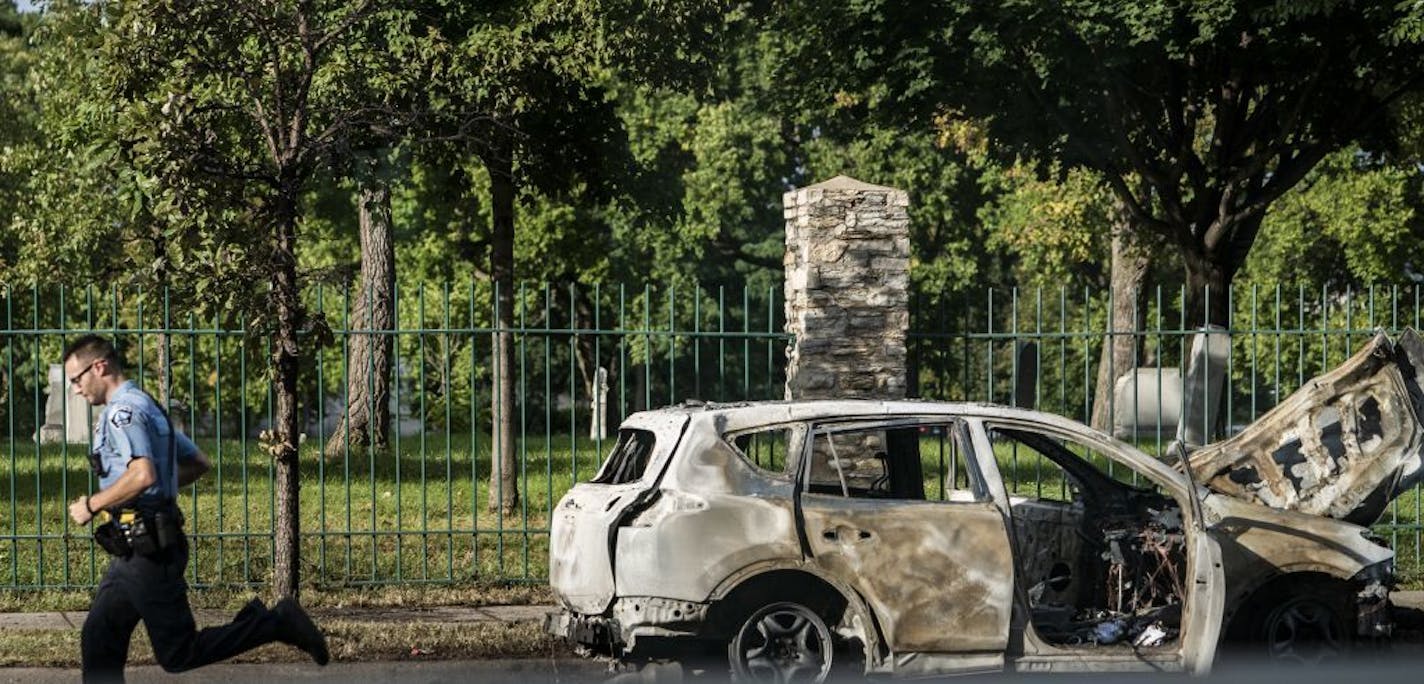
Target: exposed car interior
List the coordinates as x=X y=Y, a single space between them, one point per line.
x=1102 y=557
x=916 y=462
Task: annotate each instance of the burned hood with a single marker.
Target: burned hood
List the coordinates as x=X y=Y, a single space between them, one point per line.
x=1343 y=446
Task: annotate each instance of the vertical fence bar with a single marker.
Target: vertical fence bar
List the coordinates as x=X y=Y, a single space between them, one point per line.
x=424 y=481
x=770 y=344
x=218 y=452
x=523 y=426
x=372 y=464
x=38 y=362
x=573 y=400
x=10 y=341
x=321 y=440
x=622 y=357
x=1087 y=356
x=746 y=342
x=242 y=449
x=697 y=340
x=548 y=400
x=64 y=440
x=346 y=427
x=192 y=338
x=474 y=440
x=425 y=389
x=989 y=349
x=397 y=369
x=672 y=344
x=1063 y=349
x=1161 y=354
x=721 y=343
x=448 y=342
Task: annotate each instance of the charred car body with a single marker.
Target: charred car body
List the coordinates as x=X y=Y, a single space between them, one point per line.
x=915 y=538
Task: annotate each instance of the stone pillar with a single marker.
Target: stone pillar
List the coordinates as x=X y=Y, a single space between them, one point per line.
x=847 y=290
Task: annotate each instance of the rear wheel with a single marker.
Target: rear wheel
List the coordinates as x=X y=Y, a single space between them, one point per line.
x=781 y=643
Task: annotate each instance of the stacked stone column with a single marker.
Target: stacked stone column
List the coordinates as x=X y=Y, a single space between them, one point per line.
x=847 y=290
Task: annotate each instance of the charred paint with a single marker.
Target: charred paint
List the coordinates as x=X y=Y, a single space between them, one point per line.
x=1343 y=446
x=937 y=578
x=937 y=575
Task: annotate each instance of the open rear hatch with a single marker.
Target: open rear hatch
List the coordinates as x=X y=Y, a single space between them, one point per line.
x=1342 y=446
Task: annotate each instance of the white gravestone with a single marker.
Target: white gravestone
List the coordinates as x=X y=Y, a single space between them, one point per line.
x=66 y=413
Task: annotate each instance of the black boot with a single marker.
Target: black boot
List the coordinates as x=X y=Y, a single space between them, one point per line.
x=296 y=628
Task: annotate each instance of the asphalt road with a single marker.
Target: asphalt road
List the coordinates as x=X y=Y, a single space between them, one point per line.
x=1376 y=669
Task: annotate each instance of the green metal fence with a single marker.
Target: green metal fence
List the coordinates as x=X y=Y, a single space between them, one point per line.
x=1048 y=342
x=415 y=512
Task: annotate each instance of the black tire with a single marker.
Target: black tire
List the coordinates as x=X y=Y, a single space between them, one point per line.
x=781 y=643
x=1304 y=621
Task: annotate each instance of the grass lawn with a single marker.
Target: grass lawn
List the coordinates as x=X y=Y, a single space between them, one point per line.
x=415 y=514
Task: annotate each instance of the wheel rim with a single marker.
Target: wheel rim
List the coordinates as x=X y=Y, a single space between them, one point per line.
x=1304 y=631
x=781 y=644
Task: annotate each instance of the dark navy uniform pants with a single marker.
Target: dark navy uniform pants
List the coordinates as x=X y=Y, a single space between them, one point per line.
x=152 y=590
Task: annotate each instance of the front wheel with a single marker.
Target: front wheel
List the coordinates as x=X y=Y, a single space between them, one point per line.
x=781 y=643
x=1306 y=621
x=1308 y=630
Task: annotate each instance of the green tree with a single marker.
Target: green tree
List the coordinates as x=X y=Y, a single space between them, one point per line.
x=213 y=120
x=522 y=89
x=1216 y=108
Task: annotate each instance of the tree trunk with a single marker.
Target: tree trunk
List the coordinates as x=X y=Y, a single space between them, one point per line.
x=1130 y=262
x=367 y=415
x=1211 y=267
x=1208 y=284
x=286 y=300
x=504 y=492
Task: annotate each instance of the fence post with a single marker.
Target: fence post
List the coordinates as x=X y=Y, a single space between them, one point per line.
x=847 y=290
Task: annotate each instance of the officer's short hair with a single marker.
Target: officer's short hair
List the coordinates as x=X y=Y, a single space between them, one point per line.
x=92 y=348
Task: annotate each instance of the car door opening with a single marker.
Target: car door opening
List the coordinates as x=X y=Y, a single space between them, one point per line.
x=1101 y=553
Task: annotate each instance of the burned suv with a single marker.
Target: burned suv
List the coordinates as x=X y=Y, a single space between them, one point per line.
x=917 y=538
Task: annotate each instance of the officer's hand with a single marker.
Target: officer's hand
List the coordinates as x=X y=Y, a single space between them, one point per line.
x=79 y=511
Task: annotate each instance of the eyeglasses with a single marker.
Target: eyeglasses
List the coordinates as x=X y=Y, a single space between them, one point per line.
x=75 y=380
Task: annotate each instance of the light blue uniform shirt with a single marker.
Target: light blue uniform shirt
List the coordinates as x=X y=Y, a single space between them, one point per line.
x=132 y=426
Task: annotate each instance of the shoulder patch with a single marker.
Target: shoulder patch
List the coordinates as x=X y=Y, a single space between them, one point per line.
x=121 y=416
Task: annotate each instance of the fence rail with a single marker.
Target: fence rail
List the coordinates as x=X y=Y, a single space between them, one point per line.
x=418 y=511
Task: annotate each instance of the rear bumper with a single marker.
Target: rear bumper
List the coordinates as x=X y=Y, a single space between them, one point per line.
x=597 y=633
x=633 y=626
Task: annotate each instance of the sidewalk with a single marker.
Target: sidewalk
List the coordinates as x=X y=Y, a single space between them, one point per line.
x=444 y=615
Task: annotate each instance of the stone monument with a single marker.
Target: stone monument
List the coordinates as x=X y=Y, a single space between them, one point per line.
x=67 y=416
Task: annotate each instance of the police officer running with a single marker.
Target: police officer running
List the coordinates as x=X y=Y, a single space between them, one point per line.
x=141 y=461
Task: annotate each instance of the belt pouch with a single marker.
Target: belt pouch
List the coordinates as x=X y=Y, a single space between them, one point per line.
x=142 y=537
x=111 y=539
x=168 y=527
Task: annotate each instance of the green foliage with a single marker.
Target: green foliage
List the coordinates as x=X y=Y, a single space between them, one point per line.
x=1056 y=228
x=1352 y=222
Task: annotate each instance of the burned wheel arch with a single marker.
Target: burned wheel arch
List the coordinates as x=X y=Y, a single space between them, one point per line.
x=840 y=606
